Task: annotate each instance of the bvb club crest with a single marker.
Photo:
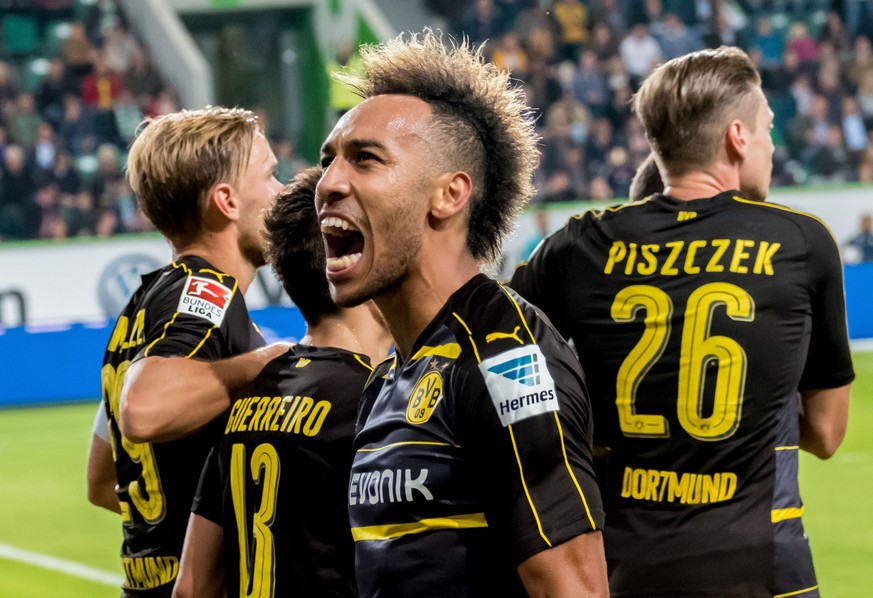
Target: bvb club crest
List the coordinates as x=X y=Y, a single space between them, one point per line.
x=425 y=397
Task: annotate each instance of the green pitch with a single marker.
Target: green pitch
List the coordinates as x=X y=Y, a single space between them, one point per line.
x=43 y=508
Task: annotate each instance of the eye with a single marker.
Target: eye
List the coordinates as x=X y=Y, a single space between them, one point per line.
x=365 y=156
x=325 y=161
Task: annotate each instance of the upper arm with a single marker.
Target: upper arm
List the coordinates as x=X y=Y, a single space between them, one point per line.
x=201 y=571
x=823 y=420
x=573 y=569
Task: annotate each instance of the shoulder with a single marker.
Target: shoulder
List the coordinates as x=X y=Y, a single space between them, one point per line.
x=813 y=229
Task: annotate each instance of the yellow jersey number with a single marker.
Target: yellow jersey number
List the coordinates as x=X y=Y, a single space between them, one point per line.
x=698 y=350
x=257 y=579
x=149 y=500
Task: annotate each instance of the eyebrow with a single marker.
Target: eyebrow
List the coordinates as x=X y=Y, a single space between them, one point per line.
x=358 y=144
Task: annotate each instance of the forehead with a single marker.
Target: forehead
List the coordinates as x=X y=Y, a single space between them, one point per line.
x=389 y=118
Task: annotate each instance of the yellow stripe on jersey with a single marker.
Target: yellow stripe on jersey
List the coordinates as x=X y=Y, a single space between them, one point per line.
x=362 y=362
x=520 y=315
x=788 y=448
x=470 y=334
x=200 y=344
x=573 y=475
x=777 y=515
x=776 y=206
x=393 y=444
x=533 y=509
x=450 y=350
x=797 y=592
x=184 y=267
x=160 y=338
x=396 y=530
x=219 y=275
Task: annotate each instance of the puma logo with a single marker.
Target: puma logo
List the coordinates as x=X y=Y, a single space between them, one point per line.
x=498 y=335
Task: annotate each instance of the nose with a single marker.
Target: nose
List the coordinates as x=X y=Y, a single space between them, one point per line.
x=333 y=184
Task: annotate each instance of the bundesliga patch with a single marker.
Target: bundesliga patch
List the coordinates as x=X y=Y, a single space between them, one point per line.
x=204 y=298
x=519 y=384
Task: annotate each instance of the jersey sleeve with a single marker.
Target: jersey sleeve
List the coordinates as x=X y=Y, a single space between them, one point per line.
x=527 y=420
x=198 y=319
x=207 y=501
x=540 y=279
x=829 y=360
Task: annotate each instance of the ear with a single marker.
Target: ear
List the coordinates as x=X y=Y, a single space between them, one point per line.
x=452 y=195
x=223 y=199
x=736 y=143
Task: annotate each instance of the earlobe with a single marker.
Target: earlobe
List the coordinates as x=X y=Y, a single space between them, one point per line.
x=452 y=195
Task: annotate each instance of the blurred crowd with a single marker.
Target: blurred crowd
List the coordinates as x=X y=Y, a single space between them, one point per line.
x=74 y=85
x=580 y=61
x=75 y=82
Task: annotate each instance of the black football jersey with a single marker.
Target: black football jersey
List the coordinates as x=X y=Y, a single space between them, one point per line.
x=696 y=324
x=186 y=309
x=472 y=454
x=277 y=480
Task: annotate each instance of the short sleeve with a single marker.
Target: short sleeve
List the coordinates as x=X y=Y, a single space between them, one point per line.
x=208 y=499
x=829 y=360
x=534 y=453
x=100 y=427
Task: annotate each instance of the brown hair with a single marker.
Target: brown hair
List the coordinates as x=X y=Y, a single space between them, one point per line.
x=177 y=158
x=296 y=249
x=647 y=180
x=480 y=124
x=686 y=104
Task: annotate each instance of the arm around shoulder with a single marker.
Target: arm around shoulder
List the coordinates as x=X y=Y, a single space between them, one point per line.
x=165 y=398
x=823 y=420
x=576 y=568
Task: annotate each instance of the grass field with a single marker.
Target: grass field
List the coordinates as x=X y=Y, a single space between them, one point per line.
x=43 y=508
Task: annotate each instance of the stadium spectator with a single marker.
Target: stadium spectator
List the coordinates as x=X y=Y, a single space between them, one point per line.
x=19 y=214
x=862 y=243
x=639 y=333
x=640 y=53
x=676 y=39
x=571 y=19
x=23 y=121
x=510 y=56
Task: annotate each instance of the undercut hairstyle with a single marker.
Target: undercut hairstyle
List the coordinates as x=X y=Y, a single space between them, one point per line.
x=480 y=124
x=176 y=159
x=647 y=179
x=687 y=103
x=296 y=248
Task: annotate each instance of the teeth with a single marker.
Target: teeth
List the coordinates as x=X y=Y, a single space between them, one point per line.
x=332 y=223
x=335 y=264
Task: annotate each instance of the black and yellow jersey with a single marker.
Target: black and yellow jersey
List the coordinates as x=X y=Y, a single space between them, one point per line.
x=186 y=309
x=277 y=480
x=696 y=324
x=472 y=454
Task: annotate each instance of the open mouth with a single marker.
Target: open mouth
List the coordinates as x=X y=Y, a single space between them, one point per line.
x=343 y=242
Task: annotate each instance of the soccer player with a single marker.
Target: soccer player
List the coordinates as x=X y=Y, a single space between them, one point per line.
x=205 y=179
x=270 y=516
x=472 y=472
x=647 y=180
x=697 y=315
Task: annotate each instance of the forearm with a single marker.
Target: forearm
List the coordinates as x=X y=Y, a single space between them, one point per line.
x=823 y=420
x=201 y=571
x=101 y=476
x=168 y=398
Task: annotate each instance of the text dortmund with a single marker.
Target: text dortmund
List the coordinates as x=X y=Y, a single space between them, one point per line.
x=739 y=256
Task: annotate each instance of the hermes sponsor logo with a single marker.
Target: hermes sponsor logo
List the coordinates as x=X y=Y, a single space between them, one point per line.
x=519 y=384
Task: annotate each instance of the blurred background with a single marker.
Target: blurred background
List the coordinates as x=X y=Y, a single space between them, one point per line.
x=78 y=76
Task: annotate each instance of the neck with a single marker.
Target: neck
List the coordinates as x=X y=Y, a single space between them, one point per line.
x=357 y=329
x=706 y=182
x=223 y=253
x=414 y=301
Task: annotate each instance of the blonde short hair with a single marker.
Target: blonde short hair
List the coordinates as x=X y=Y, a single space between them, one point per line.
x=178 y=158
